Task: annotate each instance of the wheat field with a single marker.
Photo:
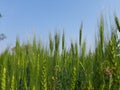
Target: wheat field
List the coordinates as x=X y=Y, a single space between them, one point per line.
x=31 y=66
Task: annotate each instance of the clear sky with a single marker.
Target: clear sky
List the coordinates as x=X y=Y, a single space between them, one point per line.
x=24 y=18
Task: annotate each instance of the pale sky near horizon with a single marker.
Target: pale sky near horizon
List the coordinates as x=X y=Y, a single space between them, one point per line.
x=24 y=18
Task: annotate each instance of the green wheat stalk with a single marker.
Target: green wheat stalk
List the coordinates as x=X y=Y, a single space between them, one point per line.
x=73 y=79
x=3 y=82
x=12 y=83
x=44 y=77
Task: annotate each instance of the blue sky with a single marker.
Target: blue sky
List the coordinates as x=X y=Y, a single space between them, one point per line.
x=24 y=18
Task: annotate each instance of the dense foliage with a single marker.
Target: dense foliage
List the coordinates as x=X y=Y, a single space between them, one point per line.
x=34 y=67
